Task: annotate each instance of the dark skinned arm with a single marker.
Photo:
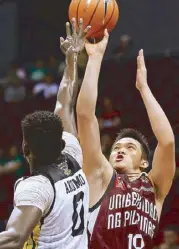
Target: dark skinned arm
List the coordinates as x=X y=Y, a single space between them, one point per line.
x=19 y=227
x=67 y=94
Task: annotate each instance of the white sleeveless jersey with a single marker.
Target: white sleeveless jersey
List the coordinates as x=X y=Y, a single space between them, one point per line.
x=65 y=226
x=65 y=205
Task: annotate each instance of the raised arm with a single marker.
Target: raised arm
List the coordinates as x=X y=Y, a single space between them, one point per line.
x=69 y=85
x=163 y=166
x=68 y=90
x=88 y=129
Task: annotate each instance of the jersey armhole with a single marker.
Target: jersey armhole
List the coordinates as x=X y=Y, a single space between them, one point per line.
x=151 y=180
x=18 y=181
x=45 y=174
x=48 y=176
x=153 y=185
x=105 y=194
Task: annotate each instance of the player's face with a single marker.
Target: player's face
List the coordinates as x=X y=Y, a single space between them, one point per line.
x=126 y=155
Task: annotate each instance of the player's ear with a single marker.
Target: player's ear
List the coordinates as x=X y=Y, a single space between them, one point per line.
x=144 y=164
x=63 y=144
x=26 y=150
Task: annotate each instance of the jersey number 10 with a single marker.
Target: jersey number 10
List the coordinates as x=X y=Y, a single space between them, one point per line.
x=78 y=214
x=135 y=241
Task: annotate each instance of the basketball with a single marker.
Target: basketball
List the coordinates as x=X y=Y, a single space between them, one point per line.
x=99 y=14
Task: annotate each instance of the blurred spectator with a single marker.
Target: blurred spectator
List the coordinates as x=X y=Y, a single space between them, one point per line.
x=83 y=59
x=39 y=71
x=110 y=117
x=14 y=75
x=2 y=157
x=16 y=72
x=21 y=73
x=15 y=92
x=14 y=164
x=170 y=238
x=61 y=68
x=16 y=157
x=47 y=89
x=163 y=246
x=53 y=66
x=124 y=47
x=106 y=143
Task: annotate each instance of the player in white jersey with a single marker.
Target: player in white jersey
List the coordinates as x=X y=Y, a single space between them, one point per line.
x=51 y=206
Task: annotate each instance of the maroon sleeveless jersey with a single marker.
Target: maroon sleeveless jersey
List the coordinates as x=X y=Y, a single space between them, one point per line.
x=126 y=216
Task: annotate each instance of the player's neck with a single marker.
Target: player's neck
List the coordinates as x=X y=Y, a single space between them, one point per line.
x=133 y=177
x=132 y=174
x=34 y=164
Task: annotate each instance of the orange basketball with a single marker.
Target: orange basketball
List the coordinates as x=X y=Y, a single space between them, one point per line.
x=100 y=14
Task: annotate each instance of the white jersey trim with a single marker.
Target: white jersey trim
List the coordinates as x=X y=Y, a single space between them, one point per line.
x=73 y=147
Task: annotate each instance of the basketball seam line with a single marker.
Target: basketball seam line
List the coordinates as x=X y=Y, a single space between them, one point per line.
x=93 y=13
x=107 y=22
x=105 y=8
x=77 y=21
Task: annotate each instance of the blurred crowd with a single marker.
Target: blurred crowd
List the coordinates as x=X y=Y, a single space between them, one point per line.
x=170 y=239
x=41 y=75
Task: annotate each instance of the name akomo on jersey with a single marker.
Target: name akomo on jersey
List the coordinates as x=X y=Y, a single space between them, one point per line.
x=61 y=192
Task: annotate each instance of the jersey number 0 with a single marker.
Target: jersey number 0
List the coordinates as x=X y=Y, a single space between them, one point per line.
x=78 y=214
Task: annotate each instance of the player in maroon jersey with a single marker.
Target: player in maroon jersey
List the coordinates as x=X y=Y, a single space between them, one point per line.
x=125 y=202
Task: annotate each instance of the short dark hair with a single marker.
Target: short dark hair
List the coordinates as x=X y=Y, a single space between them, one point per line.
x=137 y=135
x=42 y=131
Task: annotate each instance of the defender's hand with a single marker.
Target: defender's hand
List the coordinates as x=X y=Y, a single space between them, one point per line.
x=74 y=38
x=141 y=77
x=71 y=56
x=98 y=48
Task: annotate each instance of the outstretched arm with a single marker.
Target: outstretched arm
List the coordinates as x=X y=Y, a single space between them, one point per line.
x=88 y=129
x=67 y=93
x=163 y=166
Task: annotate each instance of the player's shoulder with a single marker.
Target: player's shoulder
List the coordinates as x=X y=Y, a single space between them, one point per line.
x=35 y=178
x=32 y=182
x=72 y=147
